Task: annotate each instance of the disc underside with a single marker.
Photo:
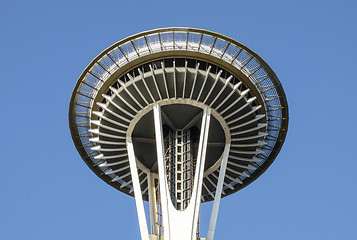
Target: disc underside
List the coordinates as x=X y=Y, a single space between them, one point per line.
x=183 y=87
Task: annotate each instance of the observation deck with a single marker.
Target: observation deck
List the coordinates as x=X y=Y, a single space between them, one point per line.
x=214 y=100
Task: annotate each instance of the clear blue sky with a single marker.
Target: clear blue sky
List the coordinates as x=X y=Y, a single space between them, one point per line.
x=47 y=192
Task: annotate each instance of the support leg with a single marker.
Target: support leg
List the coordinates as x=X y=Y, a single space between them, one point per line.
x=181 y=225
x=152 y=205
x=201 y=157
x=164 y=196
x=137 y=191
x=217 y=197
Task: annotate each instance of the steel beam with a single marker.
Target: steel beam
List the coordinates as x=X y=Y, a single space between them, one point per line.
x=217 y=197
x=137 y=191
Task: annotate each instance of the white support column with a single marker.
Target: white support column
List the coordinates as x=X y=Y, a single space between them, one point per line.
x=152 y=204
x=181 y=225
x=137 y=191
x=164 y=196
x=201 y=158
x=217 y=197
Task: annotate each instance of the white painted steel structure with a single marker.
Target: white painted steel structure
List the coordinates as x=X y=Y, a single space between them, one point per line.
x=178 y=116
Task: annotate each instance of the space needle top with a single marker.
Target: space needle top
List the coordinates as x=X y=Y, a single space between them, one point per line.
x=178 y=116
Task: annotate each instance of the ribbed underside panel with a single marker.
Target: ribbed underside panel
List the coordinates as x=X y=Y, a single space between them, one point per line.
x=184 y=70
x=184 y=87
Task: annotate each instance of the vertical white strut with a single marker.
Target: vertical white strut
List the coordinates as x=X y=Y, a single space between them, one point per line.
x=201 y=158
x=181 y=225
x=164 y=197
x=137 y=190
x=152 y=204
x=217 y=197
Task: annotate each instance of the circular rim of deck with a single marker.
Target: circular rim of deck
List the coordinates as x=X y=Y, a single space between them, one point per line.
x=260 y=79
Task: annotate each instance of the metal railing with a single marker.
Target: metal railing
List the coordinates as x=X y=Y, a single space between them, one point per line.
x=180 y=39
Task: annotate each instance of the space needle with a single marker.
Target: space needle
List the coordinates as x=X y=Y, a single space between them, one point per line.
x=178 y=117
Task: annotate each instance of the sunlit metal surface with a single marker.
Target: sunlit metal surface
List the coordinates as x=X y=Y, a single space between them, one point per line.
x=245 y=95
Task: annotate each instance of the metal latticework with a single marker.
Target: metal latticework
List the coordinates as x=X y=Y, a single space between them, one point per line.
x=180 y=158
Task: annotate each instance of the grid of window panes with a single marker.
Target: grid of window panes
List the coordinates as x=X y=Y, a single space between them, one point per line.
x=187 y=170
x=179 y=158
x=179 y=167
x=170 y=164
